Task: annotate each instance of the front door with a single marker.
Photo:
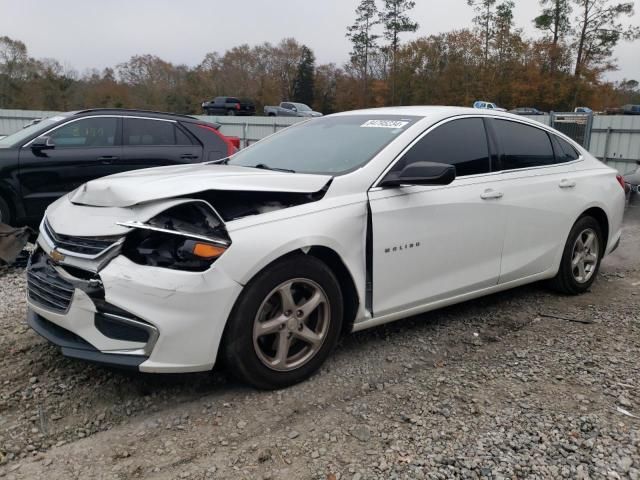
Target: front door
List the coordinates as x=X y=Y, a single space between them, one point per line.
x=437 y=242
x=84 y=149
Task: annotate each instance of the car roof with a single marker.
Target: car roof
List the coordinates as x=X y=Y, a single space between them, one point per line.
x=428 y=111
x=435 y=114
x=132 y=113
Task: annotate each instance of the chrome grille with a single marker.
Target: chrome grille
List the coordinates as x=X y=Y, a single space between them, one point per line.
x=91 y=246
x=46 y=288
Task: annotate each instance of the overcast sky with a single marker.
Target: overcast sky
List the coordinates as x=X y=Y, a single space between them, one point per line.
x=87 y=34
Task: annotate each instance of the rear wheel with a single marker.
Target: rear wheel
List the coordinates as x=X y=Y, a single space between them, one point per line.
x=285 y=324
x=5 y=212
x=581 y=258
x=231 y=113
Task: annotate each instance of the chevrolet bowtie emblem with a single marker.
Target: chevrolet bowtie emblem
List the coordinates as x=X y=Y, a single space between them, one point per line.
x=56 y=256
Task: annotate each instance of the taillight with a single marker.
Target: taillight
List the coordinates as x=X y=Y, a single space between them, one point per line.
x=235 y=141
x=621 y=182
x=237 y=106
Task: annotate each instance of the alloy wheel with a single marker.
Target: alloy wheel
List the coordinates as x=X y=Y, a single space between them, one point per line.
x=291 y=325
x=585 y=256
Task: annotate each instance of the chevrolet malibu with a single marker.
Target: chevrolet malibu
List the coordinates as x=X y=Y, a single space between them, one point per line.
x=261 y=261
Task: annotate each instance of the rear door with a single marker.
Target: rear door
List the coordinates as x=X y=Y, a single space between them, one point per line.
x=538 y=186
x=85 y=149
x=150 y=142
x=437 y=242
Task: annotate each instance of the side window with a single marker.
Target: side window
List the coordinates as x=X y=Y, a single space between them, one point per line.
x=182 y=138
x=86 y=133
x=564 y=151
x=288 y=106
x=523 y=146
x=139 y=131
x=462 y=143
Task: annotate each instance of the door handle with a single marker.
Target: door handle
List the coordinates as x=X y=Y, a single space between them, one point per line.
x=107 y=160
x=491 y=195
x=189 y=156
x=564 y=183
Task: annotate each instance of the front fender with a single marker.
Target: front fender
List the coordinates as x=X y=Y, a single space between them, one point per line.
x=341 y=229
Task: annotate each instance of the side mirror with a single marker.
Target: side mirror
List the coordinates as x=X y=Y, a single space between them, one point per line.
x=43 y=143
x=421 y=173
x=294 y=108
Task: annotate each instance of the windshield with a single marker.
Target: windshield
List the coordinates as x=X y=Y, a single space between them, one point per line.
x=16 y=139
x=302 y=107
x=329 y=145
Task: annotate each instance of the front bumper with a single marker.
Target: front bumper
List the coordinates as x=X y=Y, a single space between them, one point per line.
x=161 y=321
x=73 y=346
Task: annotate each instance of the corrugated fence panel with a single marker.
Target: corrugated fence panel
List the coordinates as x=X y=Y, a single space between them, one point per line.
x=251 y=129
x=618 y=139
x=13 y=120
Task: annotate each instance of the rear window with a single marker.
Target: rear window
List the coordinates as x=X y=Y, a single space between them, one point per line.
x=523 y=146
x=139 y=131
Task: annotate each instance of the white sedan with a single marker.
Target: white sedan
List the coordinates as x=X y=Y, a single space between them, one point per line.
x=334 y=225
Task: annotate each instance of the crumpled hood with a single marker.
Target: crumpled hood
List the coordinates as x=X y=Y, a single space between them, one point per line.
x=140 y=186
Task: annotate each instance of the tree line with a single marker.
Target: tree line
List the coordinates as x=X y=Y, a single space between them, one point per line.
x=560 y=68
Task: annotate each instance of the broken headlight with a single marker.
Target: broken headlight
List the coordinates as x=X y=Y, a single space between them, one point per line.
x=188 y=237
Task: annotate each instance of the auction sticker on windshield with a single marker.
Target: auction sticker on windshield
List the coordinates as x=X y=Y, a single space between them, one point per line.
x=385 y=124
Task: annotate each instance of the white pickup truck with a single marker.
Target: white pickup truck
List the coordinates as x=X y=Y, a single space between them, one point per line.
x=290 y=109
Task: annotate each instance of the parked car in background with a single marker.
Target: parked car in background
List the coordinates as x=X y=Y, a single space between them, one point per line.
x=526 y=111
x=582 y=110
x=631 y=109
x=614 y=111
x=488 y=106
x=229 y=106
x=633 y=180
x=340 y=224
x=291 y=109
x=47 y=159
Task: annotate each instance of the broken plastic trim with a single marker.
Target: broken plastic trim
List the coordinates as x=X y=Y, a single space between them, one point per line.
x=194 y=236
x=168 y=239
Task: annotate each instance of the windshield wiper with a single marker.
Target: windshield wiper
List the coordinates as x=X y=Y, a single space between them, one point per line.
x=262 y=166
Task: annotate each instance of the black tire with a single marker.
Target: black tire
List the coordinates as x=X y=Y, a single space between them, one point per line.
x=565 y=281
x=231 y=113
x=239 y=353
x=5 y=212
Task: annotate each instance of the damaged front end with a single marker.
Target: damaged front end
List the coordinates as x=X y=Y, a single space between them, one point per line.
x=131 y=286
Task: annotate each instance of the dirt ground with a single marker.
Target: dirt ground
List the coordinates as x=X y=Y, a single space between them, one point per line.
x=522 y=384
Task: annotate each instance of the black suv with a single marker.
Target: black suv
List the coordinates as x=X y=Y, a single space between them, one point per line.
x=229 y=106
x=45 y=160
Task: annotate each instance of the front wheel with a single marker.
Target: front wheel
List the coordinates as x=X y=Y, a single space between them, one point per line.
x=285 y=324
x=581 y=258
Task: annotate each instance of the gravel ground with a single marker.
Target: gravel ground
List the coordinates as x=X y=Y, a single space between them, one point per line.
x=523 y=384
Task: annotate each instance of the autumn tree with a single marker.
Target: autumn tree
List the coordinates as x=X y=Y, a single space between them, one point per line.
x=598 y=30
x=364 y=41
x=15 y=66
x=305 y=81
x=395 y=20
x=554 y=19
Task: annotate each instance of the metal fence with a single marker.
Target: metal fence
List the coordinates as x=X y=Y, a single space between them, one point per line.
x=613 y=139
